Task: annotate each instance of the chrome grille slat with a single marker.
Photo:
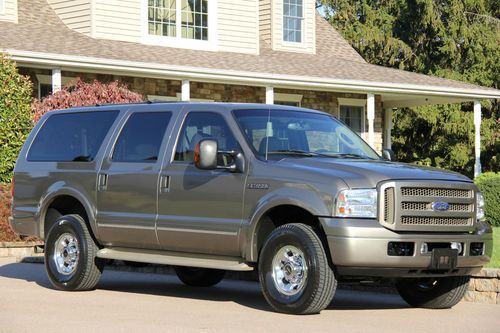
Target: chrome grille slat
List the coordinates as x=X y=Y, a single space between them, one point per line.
x=436 y=192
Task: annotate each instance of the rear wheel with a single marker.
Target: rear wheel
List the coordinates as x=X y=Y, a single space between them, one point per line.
x=293 y=271
x=199 y=277
x=70 y=255
x=433 y=293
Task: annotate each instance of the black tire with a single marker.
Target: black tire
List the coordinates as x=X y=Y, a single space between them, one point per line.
x=199 y=277
x=82 y=273
x=315 y=292
x=433 y=293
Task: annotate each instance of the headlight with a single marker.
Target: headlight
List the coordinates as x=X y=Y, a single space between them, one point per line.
x=479 y=206
x=356 y=203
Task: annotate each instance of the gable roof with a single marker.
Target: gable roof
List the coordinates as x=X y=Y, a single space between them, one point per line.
x=41 y=38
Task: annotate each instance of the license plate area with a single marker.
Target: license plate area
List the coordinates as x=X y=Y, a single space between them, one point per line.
x=444 y=259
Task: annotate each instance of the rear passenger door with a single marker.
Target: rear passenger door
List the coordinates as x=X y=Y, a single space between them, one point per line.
x=128 y=181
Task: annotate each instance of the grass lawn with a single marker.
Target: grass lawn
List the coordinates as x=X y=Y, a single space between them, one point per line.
x=495 y=261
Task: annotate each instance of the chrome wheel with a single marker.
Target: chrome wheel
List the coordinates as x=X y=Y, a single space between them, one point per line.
x=66 y=253
x=289 y=270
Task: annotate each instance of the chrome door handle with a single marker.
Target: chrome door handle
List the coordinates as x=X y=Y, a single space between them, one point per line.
x=102 y=182
x=164 y=183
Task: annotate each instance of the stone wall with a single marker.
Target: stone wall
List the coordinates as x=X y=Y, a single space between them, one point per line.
x=20 y=250
x=484 y=287
x=319 y=100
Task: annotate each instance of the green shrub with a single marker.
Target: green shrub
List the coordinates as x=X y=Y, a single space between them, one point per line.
x=489 y=185
x=15 y=115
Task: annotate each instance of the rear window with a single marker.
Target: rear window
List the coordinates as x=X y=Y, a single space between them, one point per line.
x=73 y=137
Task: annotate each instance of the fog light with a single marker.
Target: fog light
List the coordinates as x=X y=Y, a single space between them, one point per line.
x=456 y=246
x=476 y=249
x=400 y=249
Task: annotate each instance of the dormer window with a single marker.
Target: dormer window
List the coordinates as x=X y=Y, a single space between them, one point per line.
x=293 y=15
x=186 y=19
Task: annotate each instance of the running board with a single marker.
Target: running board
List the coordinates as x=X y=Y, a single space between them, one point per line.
x=175 y=258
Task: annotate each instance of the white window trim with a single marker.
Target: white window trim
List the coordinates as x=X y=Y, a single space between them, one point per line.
x=294 y=98
x=355 y=102
x=176 y=98
x=178 y=41
x=302 y=43
x=47 y=79
x=2 y=7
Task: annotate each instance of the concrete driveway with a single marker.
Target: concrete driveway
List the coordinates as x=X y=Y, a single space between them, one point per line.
x=138 y=302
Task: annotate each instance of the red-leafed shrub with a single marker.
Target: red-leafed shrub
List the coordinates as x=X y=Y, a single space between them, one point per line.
x=80 y=93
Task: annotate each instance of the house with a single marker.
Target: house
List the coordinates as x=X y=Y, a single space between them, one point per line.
x=266 y=51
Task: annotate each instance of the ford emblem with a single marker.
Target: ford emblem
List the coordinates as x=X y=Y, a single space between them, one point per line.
x=440 y=206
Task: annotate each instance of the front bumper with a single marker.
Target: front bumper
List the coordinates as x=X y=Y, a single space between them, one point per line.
x=359 y=247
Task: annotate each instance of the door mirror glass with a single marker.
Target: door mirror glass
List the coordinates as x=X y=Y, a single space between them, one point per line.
x=205 y=154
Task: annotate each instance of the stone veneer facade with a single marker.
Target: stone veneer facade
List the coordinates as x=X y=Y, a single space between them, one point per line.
x=217 y=92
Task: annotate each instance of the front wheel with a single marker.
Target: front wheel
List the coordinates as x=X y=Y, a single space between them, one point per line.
x=433 y=293
x=293 y=271
x=70 y=255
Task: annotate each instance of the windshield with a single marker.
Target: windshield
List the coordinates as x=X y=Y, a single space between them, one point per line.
x=278 y=133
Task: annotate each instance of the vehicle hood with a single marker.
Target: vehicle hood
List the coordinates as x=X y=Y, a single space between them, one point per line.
x=358 y=173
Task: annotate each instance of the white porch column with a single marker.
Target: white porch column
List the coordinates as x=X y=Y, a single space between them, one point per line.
x=370 y=115
x=269 y=95
x=56 y=80
x=388 y=128
x=477 y=141
x=185 y=91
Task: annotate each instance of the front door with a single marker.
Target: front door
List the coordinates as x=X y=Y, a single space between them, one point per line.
x=128 y=182
x=201 y=211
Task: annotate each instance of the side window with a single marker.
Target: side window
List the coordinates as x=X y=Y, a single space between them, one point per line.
x=202 y=125
x=73 y=137
x=353 y=117
x=141 y=137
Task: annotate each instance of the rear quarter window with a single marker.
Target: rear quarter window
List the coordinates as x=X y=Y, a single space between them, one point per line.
x=73 y=137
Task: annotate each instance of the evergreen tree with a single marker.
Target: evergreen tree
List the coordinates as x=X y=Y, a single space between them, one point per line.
x=455 y=39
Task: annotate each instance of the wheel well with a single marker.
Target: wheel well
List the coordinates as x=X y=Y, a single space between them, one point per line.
x=284 y=214
x=63 y=205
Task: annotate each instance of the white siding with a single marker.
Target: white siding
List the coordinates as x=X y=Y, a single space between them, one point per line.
x=238 y=26
x=265 y=20
x=308 y=44
x=8 y=12
x=117 y=19
x=75 y=14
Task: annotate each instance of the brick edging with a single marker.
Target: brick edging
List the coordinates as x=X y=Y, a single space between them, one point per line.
x=484 y=287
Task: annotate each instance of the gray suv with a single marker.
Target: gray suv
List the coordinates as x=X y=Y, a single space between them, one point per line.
x=290 y=192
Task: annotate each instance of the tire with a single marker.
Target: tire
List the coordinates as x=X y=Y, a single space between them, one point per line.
x=433 y=293
x=70 y=255
x=199 y=277
x=294 y=274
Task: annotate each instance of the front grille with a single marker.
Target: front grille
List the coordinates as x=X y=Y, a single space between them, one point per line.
x=416 y=220
x=427 y=206
x=436 y=192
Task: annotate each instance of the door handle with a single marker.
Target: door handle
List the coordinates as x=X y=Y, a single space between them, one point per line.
x=102 y=182
x=164 y=183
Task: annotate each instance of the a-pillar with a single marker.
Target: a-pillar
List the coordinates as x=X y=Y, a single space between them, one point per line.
x=477 y=141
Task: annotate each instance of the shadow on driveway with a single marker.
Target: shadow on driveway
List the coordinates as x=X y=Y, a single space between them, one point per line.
x=245 y=293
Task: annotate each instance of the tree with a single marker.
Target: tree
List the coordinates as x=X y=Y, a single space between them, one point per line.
x=455 y=39
x=80 y=93
x=15 y=115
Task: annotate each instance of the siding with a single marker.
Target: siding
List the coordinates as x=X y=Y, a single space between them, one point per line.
x=308 y=44
x=9 y=12
x=265 y=20
x=238 y=26
x=75 y=14
x=118 y=20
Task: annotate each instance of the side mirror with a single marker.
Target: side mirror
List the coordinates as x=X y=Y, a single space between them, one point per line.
x=205 y=154
x=205 y=157
x=388 y=155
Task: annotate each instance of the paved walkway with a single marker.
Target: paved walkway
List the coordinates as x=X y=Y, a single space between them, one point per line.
x=138 y=302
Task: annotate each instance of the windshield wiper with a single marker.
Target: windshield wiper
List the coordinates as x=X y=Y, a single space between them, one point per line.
x=82 y=158
x=298 y=152
x=351 y=156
